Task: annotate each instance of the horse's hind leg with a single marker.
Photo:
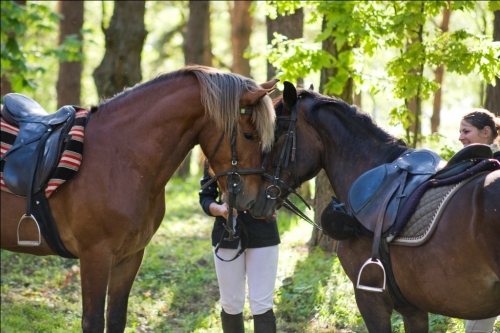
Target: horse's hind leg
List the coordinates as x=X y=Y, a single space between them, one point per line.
x=376 y=310
x=415 y=320
x=120 y=283
x=94 y=271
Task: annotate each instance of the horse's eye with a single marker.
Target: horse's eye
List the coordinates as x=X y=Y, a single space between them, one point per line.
x=249 y=136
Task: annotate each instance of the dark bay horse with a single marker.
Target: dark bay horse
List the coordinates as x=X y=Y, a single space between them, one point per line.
x=134 y=143
x=456 y=273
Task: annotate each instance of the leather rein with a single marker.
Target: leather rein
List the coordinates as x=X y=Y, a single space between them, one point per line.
x=287 y=155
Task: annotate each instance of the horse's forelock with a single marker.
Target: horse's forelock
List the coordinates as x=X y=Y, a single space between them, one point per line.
x=264 y=118
x=221 y=93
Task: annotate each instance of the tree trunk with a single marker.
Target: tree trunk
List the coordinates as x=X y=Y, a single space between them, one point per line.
x=70 y=73
x=414 y=105
x=291 y=26
x=439 y=73
x=241 y=28
x=121 y=65
x=492 y=102
x=197 y=50
x=197 y=45
x=324 y=190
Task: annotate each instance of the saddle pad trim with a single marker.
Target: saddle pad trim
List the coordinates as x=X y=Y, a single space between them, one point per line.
x=421 y=239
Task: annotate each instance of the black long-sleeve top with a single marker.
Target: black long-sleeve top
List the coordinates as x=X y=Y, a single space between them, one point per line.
x=259 y=233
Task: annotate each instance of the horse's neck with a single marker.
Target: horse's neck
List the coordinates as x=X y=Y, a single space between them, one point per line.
x=154 y=133
x=349 y=156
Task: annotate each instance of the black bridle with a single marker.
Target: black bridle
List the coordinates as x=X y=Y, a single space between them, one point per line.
x=234 y=183
x=287 y=155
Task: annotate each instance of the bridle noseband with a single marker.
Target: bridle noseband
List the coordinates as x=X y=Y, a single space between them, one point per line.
x=287 y=155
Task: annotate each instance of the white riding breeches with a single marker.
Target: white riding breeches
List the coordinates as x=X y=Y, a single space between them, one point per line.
x=480 y=326
x=260 y=266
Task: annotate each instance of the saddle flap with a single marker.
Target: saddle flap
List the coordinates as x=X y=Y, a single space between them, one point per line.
x=366 y=186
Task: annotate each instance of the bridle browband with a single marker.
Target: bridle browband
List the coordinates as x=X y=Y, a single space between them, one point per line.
x=286 y=156
x=234 y=183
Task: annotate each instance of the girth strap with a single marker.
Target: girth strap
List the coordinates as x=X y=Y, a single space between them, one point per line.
x=393 y=287
x=41 y=209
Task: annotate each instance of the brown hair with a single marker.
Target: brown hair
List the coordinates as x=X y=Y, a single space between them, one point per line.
x=480 y=118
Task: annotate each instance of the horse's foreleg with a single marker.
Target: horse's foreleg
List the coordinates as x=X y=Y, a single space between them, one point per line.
x=94 y=271
x=415 y=320
x=120 y=283
x=376 y=310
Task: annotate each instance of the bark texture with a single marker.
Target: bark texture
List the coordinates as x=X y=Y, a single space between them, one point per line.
x=439 y=74
x=241 y=29
x=197 y=45
x=121 y=65
x=291 y=26
x=70 y=73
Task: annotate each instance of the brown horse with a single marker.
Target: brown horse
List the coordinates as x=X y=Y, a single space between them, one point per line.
x=456 y=273
x=134 y=143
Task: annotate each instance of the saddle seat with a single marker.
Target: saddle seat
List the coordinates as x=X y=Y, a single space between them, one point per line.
x=39 y=143
x=20 y=108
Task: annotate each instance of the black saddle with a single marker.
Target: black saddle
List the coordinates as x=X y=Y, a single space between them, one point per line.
x=387 y=187
x=38 y=147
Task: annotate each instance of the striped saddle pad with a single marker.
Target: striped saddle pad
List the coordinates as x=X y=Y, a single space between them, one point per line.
x=71 y=157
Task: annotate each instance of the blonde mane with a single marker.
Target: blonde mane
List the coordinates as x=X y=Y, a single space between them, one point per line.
x=220 y=95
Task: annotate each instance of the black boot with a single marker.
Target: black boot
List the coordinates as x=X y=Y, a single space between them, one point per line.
x=264 y=323
x=232 y=323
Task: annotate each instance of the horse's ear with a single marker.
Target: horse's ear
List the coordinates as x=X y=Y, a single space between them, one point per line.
x=289 y=96
x=311 y=87
x=270 y=84
x=249 y=98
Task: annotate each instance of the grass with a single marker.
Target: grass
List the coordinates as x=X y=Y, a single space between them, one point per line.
x=176 y=290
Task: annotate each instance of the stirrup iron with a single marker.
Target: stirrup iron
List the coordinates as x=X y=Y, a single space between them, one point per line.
x=371 y=261
x=29 y=242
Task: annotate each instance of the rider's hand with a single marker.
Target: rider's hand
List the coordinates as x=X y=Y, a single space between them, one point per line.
x=221 y=210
